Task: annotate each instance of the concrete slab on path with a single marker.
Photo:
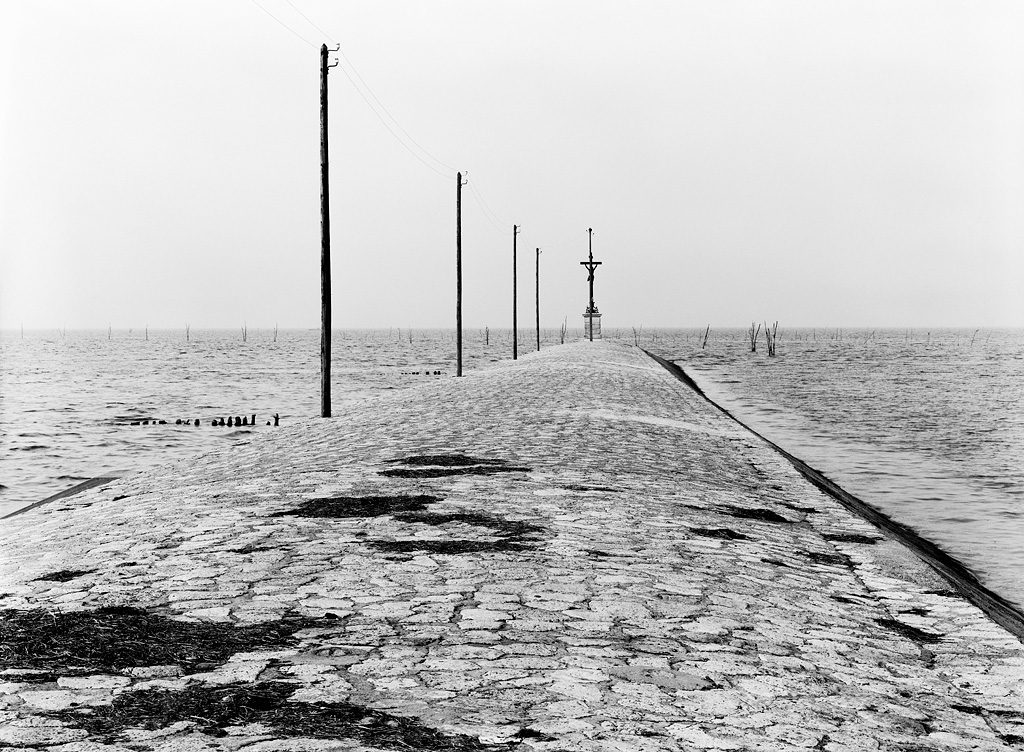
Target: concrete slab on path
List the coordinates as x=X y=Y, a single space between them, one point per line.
x=573 y=551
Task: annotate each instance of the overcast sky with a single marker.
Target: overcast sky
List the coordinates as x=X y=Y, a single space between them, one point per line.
x=817 y=163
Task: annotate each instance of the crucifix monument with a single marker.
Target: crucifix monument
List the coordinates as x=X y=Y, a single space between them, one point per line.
x=591 y=318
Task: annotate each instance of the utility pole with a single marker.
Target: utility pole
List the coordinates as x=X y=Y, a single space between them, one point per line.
x=538 y=300
x=515 y=321
x=458 y=274
x=325 y=247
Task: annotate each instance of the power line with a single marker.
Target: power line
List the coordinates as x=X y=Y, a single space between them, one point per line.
x=326 y=35
x=493 y=218
x=574 y=241
x=385 y=124
x=361 y=86
x=393 y=119
x=286 y=26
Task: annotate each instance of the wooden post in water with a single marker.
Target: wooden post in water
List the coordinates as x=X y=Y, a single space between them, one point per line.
x=515 y=322
x=325 y=250
x=538 y=300
x=458 y=274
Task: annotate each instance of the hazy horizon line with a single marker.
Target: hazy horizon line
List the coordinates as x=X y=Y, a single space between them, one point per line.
x=527 y=328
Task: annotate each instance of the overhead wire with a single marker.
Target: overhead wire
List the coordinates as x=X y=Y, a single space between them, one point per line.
x=329 y=38
x=283 y=24
x=385 y=124
x=363 y=89
x=493 y=218
x=574 y=241
x=388 y=113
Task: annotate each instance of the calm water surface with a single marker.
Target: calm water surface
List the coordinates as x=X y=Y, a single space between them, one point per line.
x=927 y=426
x=68 y=401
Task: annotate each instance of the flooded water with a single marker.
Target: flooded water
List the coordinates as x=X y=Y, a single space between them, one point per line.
x=68 y=402
x=926 y=426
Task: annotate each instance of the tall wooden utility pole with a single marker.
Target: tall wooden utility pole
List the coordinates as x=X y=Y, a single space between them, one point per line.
x=458 y=274
x=325 y=248
x=515 y=321
x=538 y=300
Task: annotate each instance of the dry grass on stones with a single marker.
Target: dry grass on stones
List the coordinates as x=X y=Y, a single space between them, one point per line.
x=910 y=632
x=837 y=560
x=722 y=533
x=763 y=515
x=64 y=575
x=112 y=639
x=455 y=547
x=506 y=528
x=215 y=708
x=851 y=538
x=501 y=534
x=441 y=465
x=513 y=535
x=445 y=460
x=360 y=506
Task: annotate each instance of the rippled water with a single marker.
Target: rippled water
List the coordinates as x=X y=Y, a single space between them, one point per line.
x=67 y=402
x=927 y=426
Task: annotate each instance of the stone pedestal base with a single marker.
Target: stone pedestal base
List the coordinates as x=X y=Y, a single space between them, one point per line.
x=591 y=320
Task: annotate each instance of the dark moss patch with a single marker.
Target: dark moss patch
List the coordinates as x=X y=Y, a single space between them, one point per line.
x=64 y=575
x=441 y=465
x=839 y=560
x=970 y=709
x=906 y=630
x=251 y=549
x=943 y=592
x=915 y=611
x=440 y=472
x=798 y=508
x=108 y=640
x=451 y=547
x=528 y=733
x=360 y=506
x=764 y=515
x=213 y=709
x=29 y=676
x=722 y=533
x=445 y=460
x=851 y=538
x=515 y=535
x=508 y=528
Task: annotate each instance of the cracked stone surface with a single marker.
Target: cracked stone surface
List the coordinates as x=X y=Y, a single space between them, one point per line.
x=606 y=562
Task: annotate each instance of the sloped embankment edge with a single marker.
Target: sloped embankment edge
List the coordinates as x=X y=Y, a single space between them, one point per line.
x=955 y=573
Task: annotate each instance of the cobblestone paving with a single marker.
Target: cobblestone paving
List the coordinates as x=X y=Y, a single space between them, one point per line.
x=573 y=551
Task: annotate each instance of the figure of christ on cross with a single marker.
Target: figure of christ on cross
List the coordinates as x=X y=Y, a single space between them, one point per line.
x=591 y=265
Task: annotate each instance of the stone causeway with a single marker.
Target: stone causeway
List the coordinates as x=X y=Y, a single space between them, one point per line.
x=571 y=551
